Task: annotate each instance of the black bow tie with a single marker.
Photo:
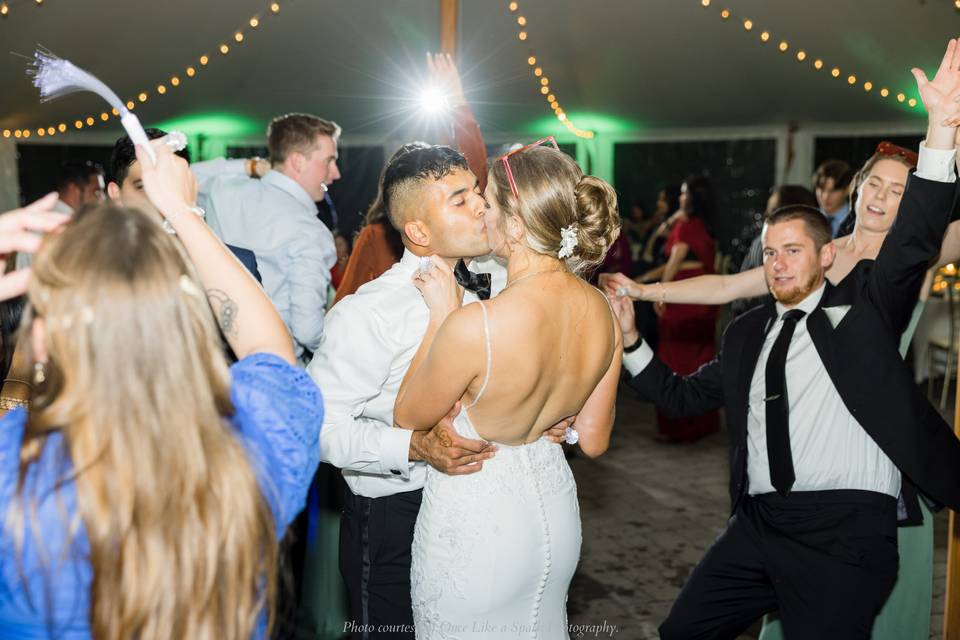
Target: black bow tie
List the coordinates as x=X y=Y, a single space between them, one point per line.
x=479 y=283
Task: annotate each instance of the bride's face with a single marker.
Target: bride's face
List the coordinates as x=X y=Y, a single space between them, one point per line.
x=492 y=218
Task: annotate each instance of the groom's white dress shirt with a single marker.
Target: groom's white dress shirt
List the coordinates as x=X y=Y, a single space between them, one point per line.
x=368 y=343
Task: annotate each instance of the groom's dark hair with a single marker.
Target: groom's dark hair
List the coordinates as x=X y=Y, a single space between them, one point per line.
x=408 y=170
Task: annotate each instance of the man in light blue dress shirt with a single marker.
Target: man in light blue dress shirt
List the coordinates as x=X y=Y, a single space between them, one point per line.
x=276 y=218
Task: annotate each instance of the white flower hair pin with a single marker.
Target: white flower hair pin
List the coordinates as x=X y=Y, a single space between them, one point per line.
x=568 y=241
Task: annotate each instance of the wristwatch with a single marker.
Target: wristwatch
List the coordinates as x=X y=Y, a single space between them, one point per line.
x=636 y=345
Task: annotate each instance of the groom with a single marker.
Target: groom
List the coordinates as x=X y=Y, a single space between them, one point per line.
x=434 y=200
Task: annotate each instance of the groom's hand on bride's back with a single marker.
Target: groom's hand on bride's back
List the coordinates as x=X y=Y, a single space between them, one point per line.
x=447 y=451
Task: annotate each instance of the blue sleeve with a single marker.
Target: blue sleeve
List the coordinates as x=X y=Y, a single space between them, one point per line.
x=279 y=411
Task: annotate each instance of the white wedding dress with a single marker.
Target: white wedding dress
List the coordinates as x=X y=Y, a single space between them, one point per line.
x=494 y=551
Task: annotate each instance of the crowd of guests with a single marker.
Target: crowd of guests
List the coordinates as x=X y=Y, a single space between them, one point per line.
x=177 y=365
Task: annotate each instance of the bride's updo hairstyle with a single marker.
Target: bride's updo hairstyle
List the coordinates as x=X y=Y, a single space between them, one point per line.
x=554 y=195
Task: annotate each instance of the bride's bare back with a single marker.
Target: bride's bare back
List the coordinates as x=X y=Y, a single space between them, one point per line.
x=552 y=341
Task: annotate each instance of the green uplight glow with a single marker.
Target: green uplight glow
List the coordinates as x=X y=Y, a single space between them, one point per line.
x=598 y=122
x=216 y=123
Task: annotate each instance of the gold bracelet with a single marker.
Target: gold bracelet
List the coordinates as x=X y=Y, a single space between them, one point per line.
x=663 y=294
x=6 y=404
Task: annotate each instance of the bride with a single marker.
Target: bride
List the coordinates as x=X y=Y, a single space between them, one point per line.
x=494 y=552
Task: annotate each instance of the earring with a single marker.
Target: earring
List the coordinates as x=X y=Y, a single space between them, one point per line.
x=39 y=373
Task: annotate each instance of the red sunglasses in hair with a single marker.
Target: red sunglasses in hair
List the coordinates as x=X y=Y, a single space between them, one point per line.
x=506 y=160
x=891 y=150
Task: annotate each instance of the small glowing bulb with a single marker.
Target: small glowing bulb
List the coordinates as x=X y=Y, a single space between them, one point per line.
x=142 y=97
x=204 y=60
x=175 y=81
x=554 y=105
x=78 y=124
x=801 y=56
x=254 y=22
x=191 y=71
x=17 y=133
x=130 y=105
x=522 y=35
x=538 y=72
x=114 y=112
x=26 y=133
x=784 y=46
x=544 y=90
x=835 y=72
x=544 y=81
x=51 y=131
x=884 y=92
x=551 y=98
x=562 y=117
x=706 y=3
x=725 y=14
x=90 y=121
x=6 y=133
x=912 y=102
x=851 y=79
x=4 y=10
x=531 y=61
x=39 y=2
x=748 y=24
x=765 y=36
x=41 y=132
x=104 y=116
x=818 y=64
x=275 y=7
x=867 y=86
x=901 y=97
x=62 y=127
x=514 y=6
x=224 y=49
x=161 y=89
x=521 y=21
x=238 y=36
x=433 y=101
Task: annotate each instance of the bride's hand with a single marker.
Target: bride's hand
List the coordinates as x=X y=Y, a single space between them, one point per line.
x=439 y=289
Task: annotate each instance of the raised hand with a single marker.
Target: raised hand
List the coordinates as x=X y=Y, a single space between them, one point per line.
x=169 y=183
x=619 y=285
x=20 y=230
x=444 y=74
x=938 y=95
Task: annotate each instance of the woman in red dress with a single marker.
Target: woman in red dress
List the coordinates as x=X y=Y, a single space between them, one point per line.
x=687 y=331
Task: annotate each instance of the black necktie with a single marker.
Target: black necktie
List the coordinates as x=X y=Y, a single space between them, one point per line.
x=778 y=407
x=479 y=283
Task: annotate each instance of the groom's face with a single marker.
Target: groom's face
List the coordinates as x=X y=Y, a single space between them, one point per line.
x=452 y=209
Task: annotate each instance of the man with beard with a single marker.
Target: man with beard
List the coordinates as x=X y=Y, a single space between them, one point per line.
x=823 y=418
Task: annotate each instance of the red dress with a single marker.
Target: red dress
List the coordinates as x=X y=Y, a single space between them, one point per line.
x=687 y=331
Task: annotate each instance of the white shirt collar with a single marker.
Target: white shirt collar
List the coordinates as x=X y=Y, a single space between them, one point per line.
x=808 y=304
x=289 y=185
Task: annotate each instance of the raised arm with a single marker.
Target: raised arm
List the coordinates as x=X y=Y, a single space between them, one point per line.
x=19 y=232
x=466 y=131
x=248 y=319
x=706 y=289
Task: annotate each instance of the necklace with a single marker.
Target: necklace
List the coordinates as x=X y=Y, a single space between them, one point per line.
x=530 y=275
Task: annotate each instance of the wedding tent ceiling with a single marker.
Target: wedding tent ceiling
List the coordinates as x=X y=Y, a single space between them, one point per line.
x=614 y=65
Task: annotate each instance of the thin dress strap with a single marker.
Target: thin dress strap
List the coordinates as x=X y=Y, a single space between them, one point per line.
x=486 y=334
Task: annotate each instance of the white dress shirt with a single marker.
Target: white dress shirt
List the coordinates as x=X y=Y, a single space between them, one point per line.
x=276 y=219
x=830 y=449
x=368 y=344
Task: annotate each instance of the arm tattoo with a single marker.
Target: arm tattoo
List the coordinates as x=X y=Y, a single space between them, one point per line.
x=225 y=310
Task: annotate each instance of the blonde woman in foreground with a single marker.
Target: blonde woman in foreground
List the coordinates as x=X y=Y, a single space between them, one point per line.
x=144 y=493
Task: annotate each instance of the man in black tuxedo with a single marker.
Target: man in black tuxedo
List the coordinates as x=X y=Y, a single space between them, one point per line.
x=825 y=423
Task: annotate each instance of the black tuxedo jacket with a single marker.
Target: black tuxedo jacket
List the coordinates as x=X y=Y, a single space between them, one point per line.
x=856 y=330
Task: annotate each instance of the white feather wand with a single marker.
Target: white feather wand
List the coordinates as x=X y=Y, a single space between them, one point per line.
x=56 y=77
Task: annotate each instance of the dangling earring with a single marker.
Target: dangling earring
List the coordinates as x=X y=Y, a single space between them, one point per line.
x=39 y=373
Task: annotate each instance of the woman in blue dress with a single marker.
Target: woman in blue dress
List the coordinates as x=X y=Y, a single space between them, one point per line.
x=143 y=494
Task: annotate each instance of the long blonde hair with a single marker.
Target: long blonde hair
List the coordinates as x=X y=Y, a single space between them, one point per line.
x=182 y=541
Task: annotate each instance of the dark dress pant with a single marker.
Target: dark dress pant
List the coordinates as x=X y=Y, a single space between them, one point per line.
x=376 y=535
x=826 y=559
